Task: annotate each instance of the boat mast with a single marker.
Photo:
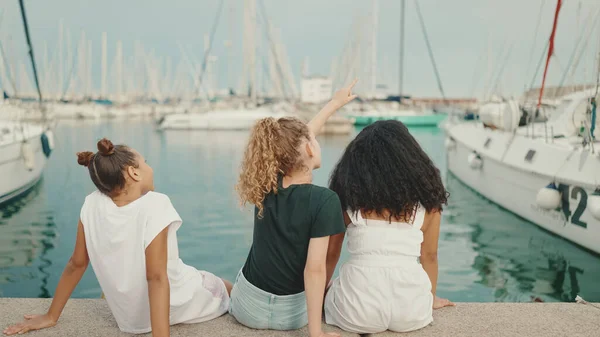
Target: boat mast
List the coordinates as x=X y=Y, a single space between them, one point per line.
x=401 y=75
x=374 y=48
x=208 y=43
x=430 y=52
x=35 y=74
x=119 y=95
x=550 y=52
x=104 y=65
x=61 y=34
x=249 y=83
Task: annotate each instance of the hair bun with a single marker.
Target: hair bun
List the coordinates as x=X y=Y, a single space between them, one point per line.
x=106 y=147
x=84 y=158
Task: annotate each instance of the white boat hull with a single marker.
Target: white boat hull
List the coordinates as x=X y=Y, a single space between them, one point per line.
x=514 y=187
x=76 y=111
x=18 y=176
x=217 y=120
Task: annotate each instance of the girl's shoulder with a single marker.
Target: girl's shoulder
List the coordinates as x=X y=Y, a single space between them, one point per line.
x=323 y=197
x=156 y=197
x=322 y=193
x=156 y=202
x=94 y=196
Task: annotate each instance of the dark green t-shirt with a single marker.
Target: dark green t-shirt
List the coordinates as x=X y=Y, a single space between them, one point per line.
x=291 y=218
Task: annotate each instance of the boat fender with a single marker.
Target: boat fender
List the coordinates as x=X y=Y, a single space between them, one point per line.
x=28 y=155
x=475 y=161
x=593 y=204
x=450 y=143
x=548 y=197
x=47 y=143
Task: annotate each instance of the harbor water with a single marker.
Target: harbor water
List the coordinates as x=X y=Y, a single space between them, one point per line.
x=486 y=253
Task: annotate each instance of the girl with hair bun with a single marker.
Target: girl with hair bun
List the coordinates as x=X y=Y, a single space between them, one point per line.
x=129 y=234
x=282 y=283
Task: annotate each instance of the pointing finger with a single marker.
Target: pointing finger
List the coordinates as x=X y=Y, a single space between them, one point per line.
x=353 y=84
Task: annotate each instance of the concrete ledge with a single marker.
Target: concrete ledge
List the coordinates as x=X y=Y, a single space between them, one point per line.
x=91 y=317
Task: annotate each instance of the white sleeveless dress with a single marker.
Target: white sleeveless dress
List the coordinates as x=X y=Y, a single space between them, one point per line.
x=382 y=286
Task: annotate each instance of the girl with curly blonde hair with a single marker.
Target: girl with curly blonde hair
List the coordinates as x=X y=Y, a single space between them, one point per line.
x=282 y=283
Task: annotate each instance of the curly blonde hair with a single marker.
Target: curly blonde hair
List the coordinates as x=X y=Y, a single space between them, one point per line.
x=273 y=149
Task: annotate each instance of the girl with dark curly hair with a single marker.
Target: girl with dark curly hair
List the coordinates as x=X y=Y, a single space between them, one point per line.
x=392 y=195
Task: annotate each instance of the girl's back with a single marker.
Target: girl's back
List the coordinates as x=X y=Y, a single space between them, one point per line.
x=381 y=238
x=393 y=195
x=381 y=286
x=282 y=283
x=129 y=234
x=117 y=238
x=280 y=245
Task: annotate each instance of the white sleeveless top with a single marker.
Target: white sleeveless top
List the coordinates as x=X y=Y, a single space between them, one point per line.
x=381 y=286
x=116 y=240
x=382 y=238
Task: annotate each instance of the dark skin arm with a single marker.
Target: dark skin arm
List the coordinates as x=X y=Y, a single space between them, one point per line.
x=429 y=255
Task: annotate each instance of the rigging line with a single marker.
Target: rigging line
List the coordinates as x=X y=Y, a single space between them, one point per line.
x=348 y=56
x=537 y=26
x=195 y=65
x=497 y=67
x=210 y=44
x=429 y=49
x=572 y=57
x=585 y=45
x=11 y=80
x=265 y=18
x=31 y=56
x=538 y=67
x=550 y=51
x=502 y=67
x=476 y=78
x=67 y=85
x=273 y=52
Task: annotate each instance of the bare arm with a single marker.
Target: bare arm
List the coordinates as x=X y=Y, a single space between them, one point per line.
x=158 y=284
x=333 y=254
x=71 y=276
x=340 y=98
x=429 y=255
x=429 y=247
x=314 y=283
x=334 y=250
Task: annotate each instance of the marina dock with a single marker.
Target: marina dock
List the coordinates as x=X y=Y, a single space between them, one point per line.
x=92 y=318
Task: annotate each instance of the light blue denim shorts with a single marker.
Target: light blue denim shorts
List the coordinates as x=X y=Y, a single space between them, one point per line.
x=258 y=309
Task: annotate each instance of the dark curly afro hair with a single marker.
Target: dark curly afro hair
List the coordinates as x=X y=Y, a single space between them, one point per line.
x=384 y=170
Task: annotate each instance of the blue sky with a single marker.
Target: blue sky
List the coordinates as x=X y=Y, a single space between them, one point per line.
x=461 y=32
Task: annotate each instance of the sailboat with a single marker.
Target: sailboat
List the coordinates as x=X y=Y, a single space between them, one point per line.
x=24 y=147
x=409 y=114
x=546 y=172
x=246 y=115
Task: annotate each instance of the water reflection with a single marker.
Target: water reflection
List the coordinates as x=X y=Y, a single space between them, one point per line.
x=517 y=260
x=26 y=235
x=486 y=253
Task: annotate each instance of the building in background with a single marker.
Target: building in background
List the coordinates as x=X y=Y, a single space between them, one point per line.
x=315 y=89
